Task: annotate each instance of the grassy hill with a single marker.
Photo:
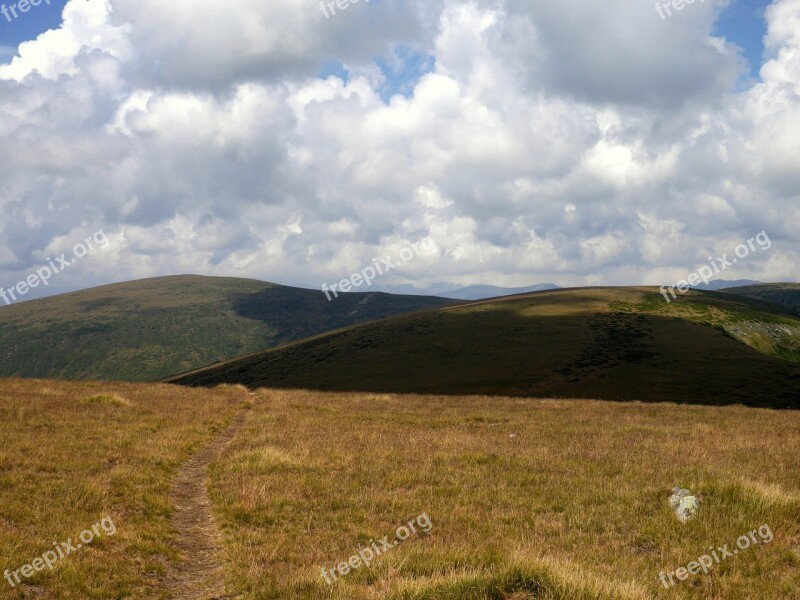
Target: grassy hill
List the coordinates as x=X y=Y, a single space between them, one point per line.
x=603 y=343
x=144 y=330
x=784 y=294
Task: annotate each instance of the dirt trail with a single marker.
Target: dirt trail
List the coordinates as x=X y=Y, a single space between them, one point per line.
x=199 y=576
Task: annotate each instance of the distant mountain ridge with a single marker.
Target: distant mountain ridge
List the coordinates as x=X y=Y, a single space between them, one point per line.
x=470 y=292
x=721 y=284
x=485 y=292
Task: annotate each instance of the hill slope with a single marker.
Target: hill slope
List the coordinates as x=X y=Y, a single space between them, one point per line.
x=144 y=330
x=784 y=294
x=604 y=343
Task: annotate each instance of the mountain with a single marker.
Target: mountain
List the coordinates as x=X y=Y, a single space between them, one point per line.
x=435 y=289
x=472 y=292
x=601 y=343
x=485 y=292
x=720 y=284
x=144 y=330
x=783 y=294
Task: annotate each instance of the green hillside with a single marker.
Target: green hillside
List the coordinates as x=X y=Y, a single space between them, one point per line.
x=603 y=343
x=144 y=330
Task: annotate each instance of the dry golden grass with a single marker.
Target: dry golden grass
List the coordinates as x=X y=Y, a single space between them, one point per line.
x=108 y=399
x=74 y=453
x=528 y=498
x=554 y=500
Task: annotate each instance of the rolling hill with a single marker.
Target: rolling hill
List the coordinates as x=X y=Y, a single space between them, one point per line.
x=147 y=329
x=783 y=294
x=602 y=343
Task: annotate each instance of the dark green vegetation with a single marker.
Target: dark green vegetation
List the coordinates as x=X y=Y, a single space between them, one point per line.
x=144 y=330
x=603 y=343
x=784 y=294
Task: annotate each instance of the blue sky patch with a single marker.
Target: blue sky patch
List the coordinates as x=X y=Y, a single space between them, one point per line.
x=743 y=24
x=336 y=69
x=403 y=71
x=28 y=25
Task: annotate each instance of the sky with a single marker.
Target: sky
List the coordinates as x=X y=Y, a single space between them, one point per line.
x=742 y=23
x=577 y=143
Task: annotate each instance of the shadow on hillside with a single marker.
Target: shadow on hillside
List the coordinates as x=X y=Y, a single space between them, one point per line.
x=606 y=356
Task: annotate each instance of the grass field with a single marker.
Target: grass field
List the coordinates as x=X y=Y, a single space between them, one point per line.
x=72 y=454
x=527 y=498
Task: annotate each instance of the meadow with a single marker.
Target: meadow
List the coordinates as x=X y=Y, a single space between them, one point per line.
x=524 y=498
x=527 y=498
x=72 y=454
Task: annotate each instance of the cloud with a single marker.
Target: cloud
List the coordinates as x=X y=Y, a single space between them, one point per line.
x=618 y=52
x=85 y=28
x=186 y=43
x=541 y=142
